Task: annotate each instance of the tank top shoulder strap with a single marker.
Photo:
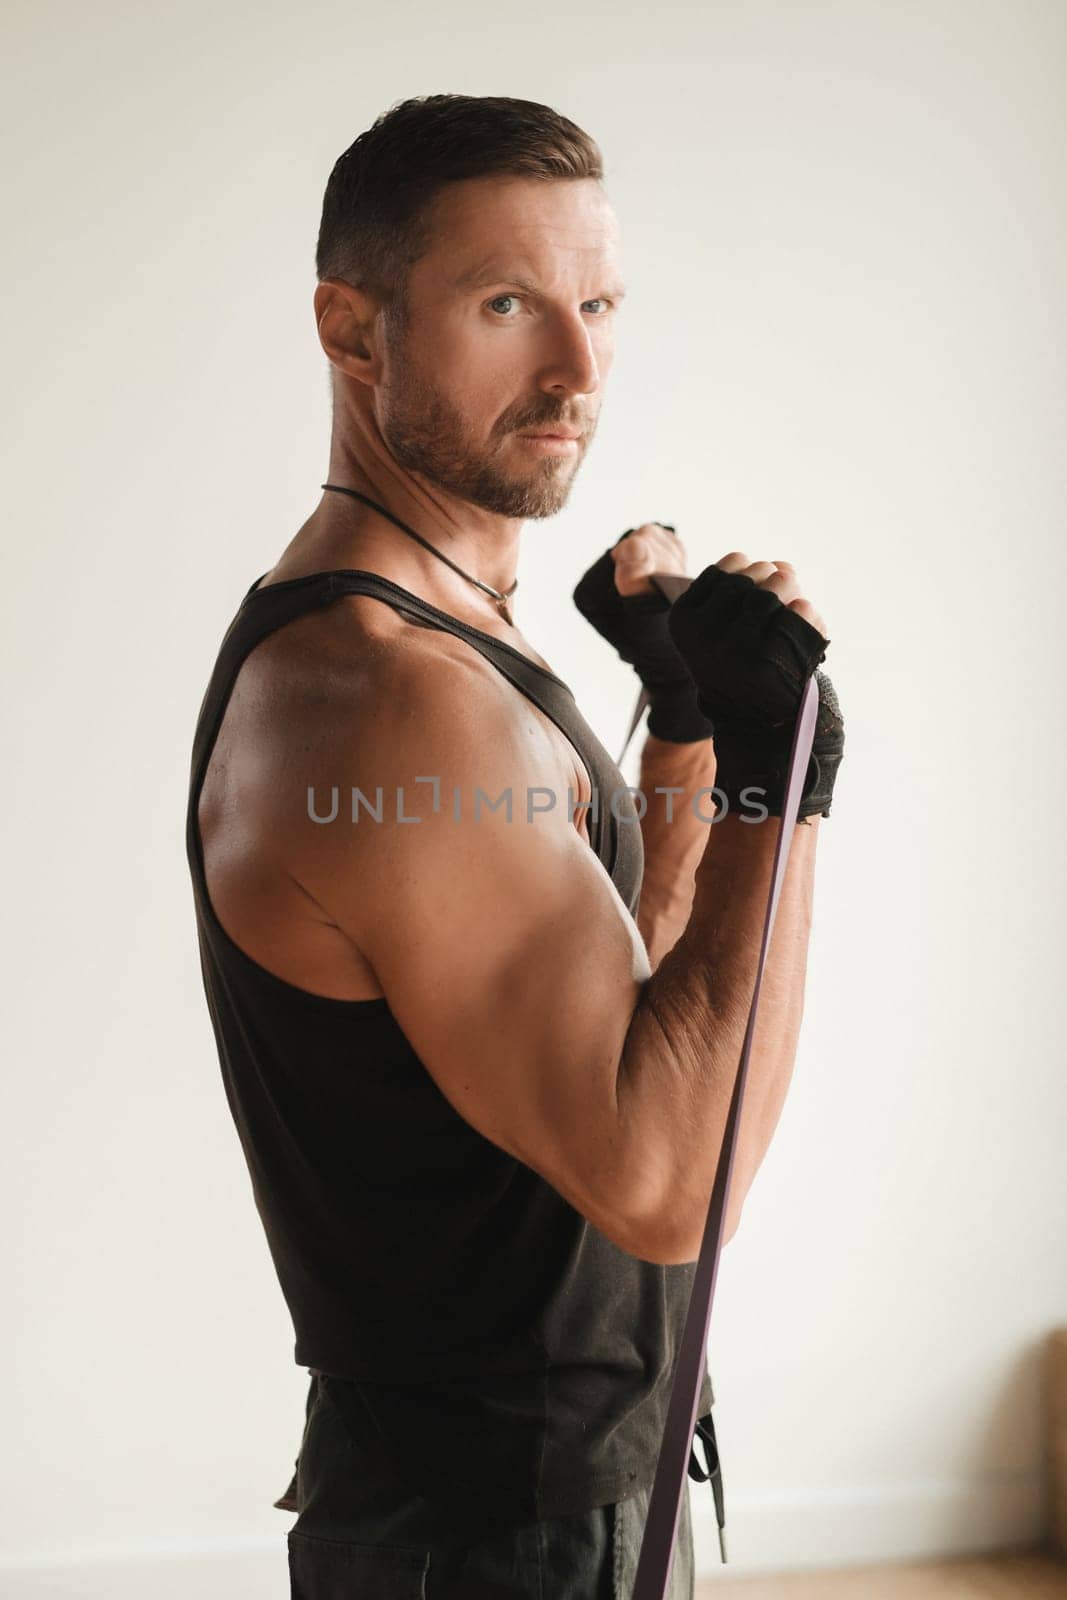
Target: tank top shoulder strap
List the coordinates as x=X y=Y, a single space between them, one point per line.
x=502 y=654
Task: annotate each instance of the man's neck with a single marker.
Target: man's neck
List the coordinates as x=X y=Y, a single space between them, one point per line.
x=483 y=543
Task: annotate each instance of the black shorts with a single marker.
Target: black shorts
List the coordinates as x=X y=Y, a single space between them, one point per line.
x=359 y=1535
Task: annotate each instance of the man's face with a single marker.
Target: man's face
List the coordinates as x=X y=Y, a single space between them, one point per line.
x=510 y=326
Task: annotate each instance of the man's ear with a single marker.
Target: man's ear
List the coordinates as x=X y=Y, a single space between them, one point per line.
x=349 y=328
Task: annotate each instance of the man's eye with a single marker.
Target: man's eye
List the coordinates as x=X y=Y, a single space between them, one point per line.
x=598 y=300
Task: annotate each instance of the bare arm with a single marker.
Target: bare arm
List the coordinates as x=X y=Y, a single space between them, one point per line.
x=683 y=1047
x=673 y=836
x=673 y=852
x=508 y=958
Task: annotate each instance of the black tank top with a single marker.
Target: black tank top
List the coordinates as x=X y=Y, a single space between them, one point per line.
x=490 y=1344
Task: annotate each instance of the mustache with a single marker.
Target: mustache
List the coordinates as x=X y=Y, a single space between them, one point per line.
x=583 y=424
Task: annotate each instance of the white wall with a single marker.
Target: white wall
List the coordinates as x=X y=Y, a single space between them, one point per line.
x=844 y=345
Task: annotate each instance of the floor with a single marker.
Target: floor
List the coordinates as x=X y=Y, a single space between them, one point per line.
x=1007 y=1577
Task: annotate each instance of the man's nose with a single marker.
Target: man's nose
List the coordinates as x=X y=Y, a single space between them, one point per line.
x=571 y=359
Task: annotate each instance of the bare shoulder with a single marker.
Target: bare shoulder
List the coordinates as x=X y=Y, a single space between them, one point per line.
x=403 y=713
x=347 y=661
x=312 y=698
x=317 y=708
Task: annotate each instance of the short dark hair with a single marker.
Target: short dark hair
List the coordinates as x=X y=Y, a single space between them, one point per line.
x=375 y=223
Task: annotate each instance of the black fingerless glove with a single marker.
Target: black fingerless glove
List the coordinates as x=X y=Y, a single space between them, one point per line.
x=636 y=624
x=750 y=657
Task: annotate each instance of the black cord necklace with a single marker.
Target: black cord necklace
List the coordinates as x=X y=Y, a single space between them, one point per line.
x=501 y=597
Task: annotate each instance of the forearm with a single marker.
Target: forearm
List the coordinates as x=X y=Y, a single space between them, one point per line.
x=682 y=1050
x=673 y=836
x=777 y=1033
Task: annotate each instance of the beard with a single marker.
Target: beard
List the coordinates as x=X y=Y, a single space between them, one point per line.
x=426 y=434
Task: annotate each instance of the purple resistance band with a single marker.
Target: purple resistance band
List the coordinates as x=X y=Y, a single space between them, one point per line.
x=657 y=1545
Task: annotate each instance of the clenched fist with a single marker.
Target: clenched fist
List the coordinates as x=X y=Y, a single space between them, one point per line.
x=616 y=597
x=653 y=547
x=751 y=641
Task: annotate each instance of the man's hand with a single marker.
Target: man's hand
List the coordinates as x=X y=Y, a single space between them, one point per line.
x=780 y=578
x=616 y=597
x=653 y=547
x=751 y=642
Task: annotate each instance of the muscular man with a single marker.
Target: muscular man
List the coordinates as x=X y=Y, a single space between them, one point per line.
x=479 y=1054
